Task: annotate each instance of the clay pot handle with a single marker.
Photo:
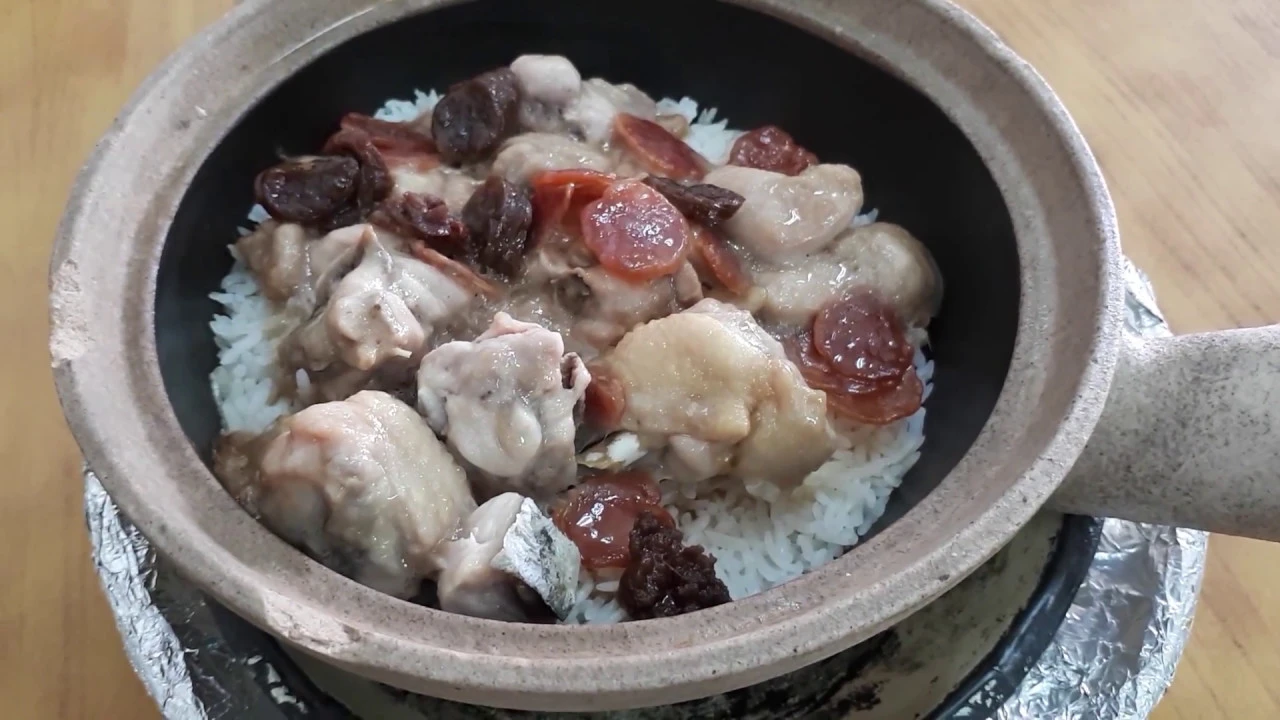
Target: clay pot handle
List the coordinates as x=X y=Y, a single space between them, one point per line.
x=1190 y=436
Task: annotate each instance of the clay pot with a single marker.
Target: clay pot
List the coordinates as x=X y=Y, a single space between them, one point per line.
x=1038 y=400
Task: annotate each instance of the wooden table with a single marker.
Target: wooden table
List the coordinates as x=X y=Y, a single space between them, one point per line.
x=1180 y=102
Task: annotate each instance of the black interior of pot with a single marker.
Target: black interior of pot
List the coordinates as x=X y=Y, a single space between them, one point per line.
x=918 y=169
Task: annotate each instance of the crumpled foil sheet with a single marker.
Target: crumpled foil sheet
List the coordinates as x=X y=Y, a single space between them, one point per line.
x=1112 y=659
x=126 y=567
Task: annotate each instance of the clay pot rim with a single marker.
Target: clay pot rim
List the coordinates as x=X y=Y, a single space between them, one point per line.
x=367 y=632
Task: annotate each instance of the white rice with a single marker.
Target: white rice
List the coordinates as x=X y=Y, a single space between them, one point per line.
x=759 y=536
x=712 y=139
x=244 y=381
x=406 y=110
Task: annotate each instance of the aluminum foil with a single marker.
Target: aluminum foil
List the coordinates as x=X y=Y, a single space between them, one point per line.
x=1112 y=658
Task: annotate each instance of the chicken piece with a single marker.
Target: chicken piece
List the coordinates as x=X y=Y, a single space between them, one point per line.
x=529 y=303
x=612 y=306
x=556 y=256
x=510 y=562
x=525 y=155
x=506 y=402
x=547 y=293
x=361 y=484
x=687 y=285
x=787 y=216
x=380 y=314
x=725 y=395
x=292 y=264
x=899 y=267
x=591 y=114
x=548 y=84
x=451 y=185
x=548 y=79
x=688 y=457
x=881 y=256
x=277 y=255
x=603 y=306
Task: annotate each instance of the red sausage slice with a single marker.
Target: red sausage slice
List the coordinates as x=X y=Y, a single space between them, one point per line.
x=599 y=514
x=657 y=149
x=882 y=407
x=849 y=398
x=862 y=337
x=585 y=181
x=388 y=135
x=817 y=372
x=560 y=195
x=605 y=401
x=720 y=261
x=463 y=275
x=635 y=232
x=771 y=148
x=414 y=161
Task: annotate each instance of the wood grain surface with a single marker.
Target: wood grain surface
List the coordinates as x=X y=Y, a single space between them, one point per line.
x=1179 y=100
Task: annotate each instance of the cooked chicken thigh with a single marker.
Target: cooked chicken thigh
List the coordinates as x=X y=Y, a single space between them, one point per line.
x=786 y=216
x=723 y=392
x=381 y=313
x=293 y=264
x=509 y=562
x=506 y=403
x=521 y=157
x=613 y=306
x=548 y=84
x=362 y=484
x=451 y=185
x=555 y=99
x=880 y=256
x=592 y=113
